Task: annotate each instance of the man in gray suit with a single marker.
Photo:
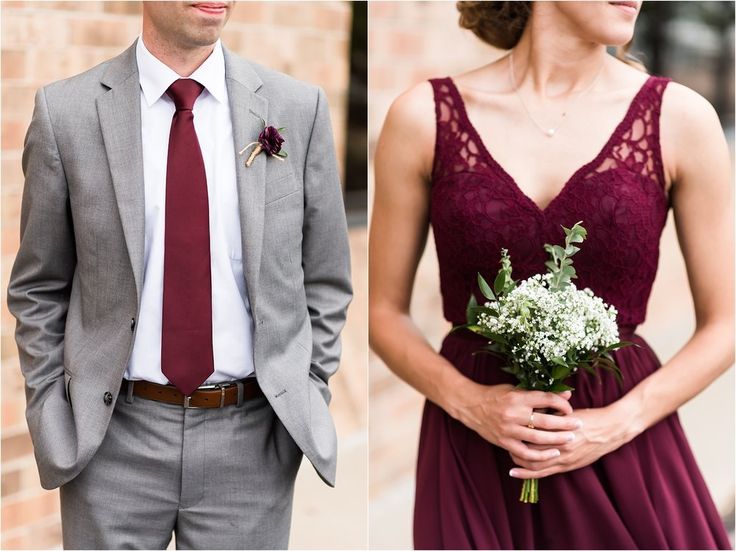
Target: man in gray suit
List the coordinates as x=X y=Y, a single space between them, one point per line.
x=178 y=308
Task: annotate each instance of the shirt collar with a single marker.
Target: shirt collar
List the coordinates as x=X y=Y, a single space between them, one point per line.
x=156 y=77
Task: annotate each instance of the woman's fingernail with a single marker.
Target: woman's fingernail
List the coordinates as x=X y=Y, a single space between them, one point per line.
x=571 y=437
x=578 y=424
x=513 y=472
x=556 y=453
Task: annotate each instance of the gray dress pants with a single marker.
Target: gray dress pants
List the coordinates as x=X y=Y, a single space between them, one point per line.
x=219 y=478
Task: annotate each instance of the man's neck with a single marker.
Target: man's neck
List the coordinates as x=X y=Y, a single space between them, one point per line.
x=182 y=61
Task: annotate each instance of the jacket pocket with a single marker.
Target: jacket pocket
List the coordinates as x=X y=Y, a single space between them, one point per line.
x=280 y=187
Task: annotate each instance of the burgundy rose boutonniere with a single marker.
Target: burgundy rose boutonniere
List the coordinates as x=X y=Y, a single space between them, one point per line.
x=270 y=141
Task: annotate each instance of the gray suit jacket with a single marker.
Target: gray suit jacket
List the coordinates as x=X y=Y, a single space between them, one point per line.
x=76 y=283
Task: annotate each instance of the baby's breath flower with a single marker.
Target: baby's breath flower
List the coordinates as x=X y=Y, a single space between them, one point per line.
x=544 y=324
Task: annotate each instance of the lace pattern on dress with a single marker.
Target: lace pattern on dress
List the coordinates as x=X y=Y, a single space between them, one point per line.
x=477 y=208
x=634 y=143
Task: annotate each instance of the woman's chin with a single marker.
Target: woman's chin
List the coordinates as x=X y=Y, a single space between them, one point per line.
x=618 y=37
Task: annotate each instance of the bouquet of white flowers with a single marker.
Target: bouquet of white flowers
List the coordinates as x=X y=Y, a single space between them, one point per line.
x=544 y=327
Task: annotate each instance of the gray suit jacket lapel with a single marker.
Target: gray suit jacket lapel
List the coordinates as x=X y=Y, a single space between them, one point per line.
x=119 y=110
x=248 y=110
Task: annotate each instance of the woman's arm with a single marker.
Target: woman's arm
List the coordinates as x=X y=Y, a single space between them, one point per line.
x=703 y=207
x=399 y=227
x=697 y=161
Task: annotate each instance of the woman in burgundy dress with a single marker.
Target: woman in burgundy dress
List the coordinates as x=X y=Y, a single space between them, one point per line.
x=555 y=132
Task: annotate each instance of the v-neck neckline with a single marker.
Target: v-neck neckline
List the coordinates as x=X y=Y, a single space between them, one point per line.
x=575 y=175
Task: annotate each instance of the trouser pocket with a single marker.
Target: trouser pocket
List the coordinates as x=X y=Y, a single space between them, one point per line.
x=67 y=383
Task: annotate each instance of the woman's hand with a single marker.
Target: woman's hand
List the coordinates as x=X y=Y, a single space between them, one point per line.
x=602 y=432
x=501 y=413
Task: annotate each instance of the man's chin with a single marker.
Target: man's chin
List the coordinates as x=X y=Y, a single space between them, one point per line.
x=204 y=38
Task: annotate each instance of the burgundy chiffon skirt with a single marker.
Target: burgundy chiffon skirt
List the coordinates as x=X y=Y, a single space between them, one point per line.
x=648 y=494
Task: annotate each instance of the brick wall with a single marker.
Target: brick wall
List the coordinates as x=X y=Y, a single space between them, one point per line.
x=410 y=42
x=47 y=41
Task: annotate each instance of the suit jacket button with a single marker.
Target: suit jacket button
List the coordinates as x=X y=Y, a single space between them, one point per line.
x=132 y=324
x=108 y=398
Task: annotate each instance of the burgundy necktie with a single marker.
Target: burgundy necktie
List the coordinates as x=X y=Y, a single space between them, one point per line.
x=186 y=325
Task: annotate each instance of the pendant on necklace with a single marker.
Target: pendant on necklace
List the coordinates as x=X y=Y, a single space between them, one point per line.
x=550 y=132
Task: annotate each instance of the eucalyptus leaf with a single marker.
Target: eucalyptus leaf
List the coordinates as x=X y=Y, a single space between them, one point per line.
x=485 y=288
x=577 y=238
x=589 y=368
x=621 y=344
x=495 y=337
x=605 y=362
x=560 y=371
x=499 y=284
x=470 y=313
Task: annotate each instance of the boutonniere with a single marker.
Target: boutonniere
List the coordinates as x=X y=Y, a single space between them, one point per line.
x=270 y=141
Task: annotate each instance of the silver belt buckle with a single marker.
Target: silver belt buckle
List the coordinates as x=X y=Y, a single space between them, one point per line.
x=186 y=403
x=221 y=386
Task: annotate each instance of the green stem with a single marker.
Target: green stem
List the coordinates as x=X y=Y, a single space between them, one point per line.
x=530 y=491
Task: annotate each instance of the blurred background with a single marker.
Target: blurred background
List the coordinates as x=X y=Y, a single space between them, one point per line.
x=692 y=42
x=320 y=42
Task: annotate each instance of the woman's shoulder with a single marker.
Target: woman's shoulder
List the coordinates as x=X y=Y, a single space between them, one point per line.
x=409 y=126
x=415 y=104
x=685 y=106
x=412 y=113
x=688 y=123
x=687 y=118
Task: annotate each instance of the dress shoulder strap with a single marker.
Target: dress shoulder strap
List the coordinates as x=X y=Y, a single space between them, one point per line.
x=450 y=151
x=636 y=143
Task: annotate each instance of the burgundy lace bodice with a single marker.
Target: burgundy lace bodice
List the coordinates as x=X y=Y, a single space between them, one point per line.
x=477 y=209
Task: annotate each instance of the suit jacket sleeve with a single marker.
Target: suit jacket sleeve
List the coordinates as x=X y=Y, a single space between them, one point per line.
x=325 y=251
x=41 y=278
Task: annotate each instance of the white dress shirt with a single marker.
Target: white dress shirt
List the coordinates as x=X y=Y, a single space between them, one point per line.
x=232 y=324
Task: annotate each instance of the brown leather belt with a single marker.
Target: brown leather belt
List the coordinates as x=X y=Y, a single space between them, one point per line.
x=208 y=396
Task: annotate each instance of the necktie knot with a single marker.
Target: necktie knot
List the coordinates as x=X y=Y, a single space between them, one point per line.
x=184 y=93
